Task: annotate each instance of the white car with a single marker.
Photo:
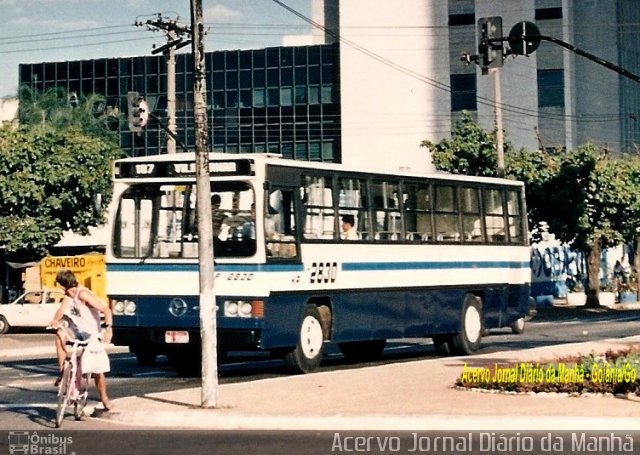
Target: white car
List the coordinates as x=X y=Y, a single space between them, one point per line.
x=31 y=309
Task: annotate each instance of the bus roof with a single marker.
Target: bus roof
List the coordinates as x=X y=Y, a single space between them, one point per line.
x=277 y=160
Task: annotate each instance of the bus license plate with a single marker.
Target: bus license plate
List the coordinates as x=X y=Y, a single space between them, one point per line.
x=176 y=336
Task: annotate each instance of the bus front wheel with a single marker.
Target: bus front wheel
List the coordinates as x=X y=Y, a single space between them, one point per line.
x=307 y=355
x=471 y=327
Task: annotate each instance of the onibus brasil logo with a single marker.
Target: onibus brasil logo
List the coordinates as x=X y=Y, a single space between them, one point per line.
x=39 y=444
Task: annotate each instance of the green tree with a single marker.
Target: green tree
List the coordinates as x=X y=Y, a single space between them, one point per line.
x=53 y=169
x=56 y=108
x=470 y=151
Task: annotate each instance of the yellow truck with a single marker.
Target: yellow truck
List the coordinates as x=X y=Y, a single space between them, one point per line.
x=90 y=270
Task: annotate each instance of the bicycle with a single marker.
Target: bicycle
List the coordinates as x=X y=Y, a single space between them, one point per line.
x=73 y=387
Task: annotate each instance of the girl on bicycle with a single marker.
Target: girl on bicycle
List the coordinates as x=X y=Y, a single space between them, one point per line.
x=83 y=308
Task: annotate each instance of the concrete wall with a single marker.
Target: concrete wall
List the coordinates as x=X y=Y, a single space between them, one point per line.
x=8 y=110
x=394 y=80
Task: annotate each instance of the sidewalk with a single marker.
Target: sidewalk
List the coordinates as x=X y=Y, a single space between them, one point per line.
x=415 y=395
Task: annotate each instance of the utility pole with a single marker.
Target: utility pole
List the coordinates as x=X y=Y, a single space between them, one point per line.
x=171 y=91
x=497 y=94
x=491 y=57
x=208 y=321
x=175 y=34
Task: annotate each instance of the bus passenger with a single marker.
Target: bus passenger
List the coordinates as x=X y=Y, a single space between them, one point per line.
x=348 y=228
x=217 y=215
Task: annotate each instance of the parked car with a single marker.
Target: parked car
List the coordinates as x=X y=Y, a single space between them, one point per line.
x=32 y=309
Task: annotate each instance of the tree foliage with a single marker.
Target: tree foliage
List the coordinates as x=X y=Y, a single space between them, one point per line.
x=51 y=175
x=470 y=151
x=58 y=109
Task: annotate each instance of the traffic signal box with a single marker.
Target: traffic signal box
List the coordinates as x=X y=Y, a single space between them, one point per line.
x=138 y=111
x=490 y=45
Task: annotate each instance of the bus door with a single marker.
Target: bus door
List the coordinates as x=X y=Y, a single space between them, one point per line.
x=280 y=225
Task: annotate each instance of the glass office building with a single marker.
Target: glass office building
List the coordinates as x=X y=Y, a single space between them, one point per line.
x=281 y=100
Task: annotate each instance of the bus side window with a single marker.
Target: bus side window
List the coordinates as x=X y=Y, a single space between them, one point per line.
x=352 y=200
x=471 y=220
x=386 y=206
x=446 y=214
x=494 y=216
x=516 y=229
x=417 y=212
x=317 y=196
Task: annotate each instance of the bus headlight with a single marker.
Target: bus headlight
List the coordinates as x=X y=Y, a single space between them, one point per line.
x=244 y=308
x=230 y=308
x=117 y=307
x=129 y=307
x=123 y=307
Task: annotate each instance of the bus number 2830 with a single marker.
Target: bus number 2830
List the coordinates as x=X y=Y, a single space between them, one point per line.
x=324 y=272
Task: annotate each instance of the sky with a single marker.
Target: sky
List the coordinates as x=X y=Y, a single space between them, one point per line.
x=36 y=31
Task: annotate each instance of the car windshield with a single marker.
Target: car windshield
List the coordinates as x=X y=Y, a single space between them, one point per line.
x=160 y=221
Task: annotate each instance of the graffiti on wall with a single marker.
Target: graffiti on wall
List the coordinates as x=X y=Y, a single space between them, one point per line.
x=551 y=264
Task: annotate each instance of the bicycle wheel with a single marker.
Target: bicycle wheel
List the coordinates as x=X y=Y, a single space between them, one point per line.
x=81 y=402
x=63 y=393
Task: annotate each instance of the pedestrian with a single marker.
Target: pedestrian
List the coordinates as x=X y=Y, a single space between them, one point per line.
x=82 y=309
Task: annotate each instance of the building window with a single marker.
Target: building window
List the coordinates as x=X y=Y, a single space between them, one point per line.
x=462 y=19
x=463 y=92
x=551 y=88
x=548 y=13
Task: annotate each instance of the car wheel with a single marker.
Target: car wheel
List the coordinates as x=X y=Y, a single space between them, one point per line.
x=471 y=327
x=517 y=326
x=4 y=325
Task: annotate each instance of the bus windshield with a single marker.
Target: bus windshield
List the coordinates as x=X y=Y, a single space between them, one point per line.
x=159 y=220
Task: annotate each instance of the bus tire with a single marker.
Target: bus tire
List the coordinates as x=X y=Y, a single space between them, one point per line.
x=517 y=326
x=471 y=327
x=361 y=351
x=307 y=354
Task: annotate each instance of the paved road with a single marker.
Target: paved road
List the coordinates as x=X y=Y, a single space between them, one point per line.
x=27 y=394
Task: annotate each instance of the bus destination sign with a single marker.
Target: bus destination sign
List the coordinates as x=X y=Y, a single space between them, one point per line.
x=159 y=169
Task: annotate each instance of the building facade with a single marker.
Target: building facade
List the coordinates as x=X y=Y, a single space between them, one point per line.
x=376 y=79
x=282 y=100
x=555 y=99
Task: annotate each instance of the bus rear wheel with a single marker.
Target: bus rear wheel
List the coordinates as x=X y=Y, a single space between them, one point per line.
x=471 y=327
x=360 y=351
x=307 y=355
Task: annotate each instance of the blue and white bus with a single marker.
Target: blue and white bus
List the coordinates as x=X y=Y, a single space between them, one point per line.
x=434 y=255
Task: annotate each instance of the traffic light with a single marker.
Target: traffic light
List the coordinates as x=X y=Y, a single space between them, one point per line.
x=490 y=45
x=138 y=111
